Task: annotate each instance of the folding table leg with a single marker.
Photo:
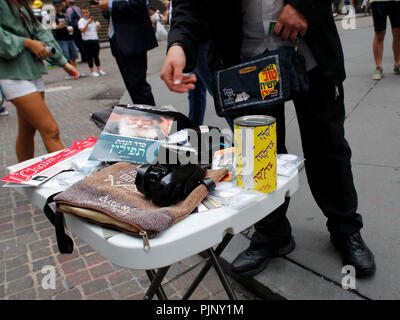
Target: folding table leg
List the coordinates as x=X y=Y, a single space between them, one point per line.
x=221 y=274
x=207 y=267
x=156 y=283
x=160 y=291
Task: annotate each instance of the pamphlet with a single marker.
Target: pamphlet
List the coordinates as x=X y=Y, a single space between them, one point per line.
x=39 y=172
x=132 y=136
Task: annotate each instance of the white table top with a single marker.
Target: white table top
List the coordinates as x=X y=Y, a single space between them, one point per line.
x=196 y=233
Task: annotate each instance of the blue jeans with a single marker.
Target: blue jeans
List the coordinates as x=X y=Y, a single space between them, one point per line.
x=198 y=96
x=69 y=49
x=2 y=98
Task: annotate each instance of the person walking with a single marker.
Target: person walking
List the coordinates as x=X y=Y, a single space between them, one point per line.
x=238 y=32
x=74 y=14
x=131 y=36
x=24 y=43
x=381 y=10
x=89 y=28
x=63 y=34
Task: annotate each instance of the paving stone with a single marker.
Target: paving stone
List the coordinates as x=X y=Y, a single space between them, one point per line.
x=73 y=266
x=86 y=249
x=73 y=294
x=12 y=249
x=94 y=286
x=94 y=259
x=120 y=276
x=127 y=289
x=77 y=278
x=136 y=296
x=43 y=225
x=38 y=265
x=103 y=295
x=22 y=222
x=29 y=294
x=19 y=285
x=41 y=253
x=6 y=219
x=46 y=233
x=37 y=245
x=6 y=227
x=62 y=258
x=23 y=209
x=17 y=273
x=101 y=270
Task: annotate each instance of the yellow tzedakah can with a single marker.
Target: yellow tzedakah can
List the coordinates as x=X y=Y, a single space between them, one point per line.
x=255 y=151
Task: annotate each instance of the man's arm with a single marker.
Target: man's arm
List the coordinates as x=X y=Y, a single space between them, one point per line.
x=298 y=15
x=183 y=43
x=312 y=10
x=186 y=28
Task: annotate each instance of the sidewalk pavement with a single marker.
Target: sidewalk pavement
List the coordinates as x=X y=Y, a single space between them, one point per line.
x=312 y=271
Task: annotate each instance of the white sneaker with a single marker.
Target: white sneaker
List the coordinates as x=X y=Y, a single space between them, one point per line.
x=102 y=72
x=4 y=113
x=94 y=74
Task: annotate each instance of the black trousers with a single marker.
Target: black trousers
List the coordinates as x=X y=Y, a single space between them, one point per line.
x=320 y=113
x=79 y=43
x=133 y=70
x=92 y=48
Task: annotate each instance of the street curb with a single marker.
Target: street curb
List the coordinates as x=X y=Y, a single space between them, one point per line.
x=283 y=279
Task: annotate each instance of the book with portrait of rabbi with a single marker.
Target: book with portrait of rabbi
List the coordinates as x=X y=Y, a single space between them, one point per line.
x=132 y=136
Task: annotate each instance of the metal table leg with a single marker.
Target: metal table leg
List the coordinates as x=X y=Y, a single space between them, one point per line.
x=221 y=275
x=160 y=291
x=208 y=266
x=156 y=283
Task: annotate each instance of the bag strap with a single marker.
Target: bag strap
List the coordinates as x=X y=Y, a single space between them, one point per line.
x=64 y=242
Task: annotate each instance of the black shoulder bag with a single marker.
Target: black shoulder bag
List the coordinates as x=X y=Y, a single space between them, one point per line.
x=261 y=82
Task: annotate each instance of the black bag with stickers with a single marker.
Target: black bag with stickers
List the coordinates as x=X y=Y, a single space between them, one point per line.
x=261 y=82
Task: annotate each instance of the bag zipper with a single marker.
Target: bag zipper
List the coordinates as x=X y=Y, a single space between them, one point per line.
x=146 y=244
x=142 y=232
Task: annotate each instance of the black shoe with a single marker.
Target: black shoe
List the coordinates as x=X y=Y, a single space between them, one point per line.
x=251 y=261
x=355 y=252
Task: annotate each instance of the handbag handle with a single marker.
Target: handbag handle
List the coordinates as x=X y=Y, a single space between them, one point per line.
x=64 y=242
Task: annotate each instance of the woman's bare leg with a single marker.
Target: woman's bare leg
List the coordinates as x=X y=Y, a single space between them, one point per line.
x=24 y=146
x=33 y=109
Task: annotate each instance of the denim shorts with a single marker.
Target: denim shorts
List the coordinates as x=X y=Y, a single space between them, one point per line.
x=18 y=88
x=69 y=49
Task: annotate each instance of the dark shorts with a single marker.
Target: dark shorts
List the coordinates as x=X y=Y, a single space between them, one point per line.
x=381 y=10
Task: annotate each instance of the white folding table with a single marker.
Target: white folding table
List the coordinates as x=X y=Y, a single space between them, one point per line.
x=198 y=232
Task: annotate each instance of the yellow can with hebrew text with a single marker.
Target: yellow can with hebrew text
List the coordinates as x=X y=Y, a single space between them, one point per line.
x=255 y=151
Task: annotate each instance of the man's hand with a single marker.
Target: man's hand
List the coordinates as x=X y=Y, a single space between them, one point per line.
x=172 y=71
x=103 y=5
x=290 y=24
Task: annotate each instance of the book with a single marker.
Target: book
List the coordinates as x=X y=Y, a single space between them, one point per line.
x=132 y=136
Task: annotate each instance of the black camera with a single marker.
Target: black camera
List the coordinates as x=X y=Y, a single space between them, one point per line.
x=167 y=184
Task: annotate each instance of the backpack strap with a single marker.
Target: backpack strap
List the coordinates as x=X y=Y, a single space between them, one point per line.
x=64 y=242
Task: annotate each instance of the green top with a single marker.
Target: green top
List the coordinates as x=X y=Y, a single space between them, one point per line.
x=16 y=61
